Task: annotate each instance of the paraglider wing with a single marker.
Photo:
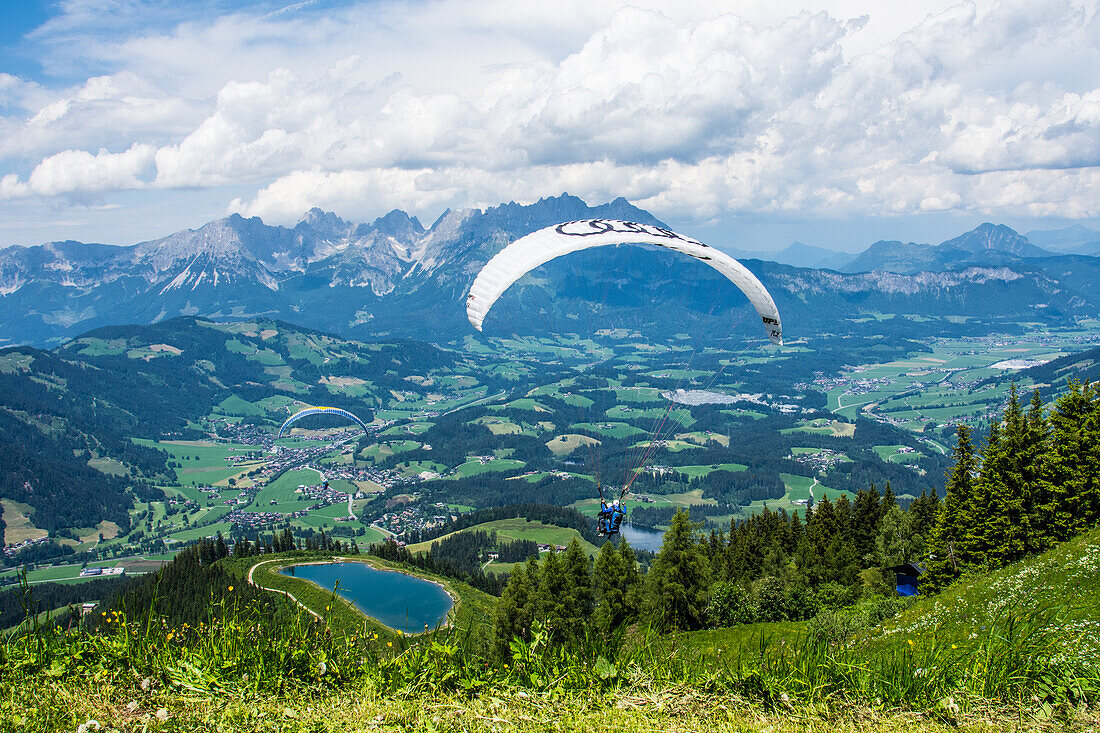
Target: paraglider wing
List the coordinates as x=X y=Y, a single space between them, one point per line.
x=538 y=248
x=319 y=411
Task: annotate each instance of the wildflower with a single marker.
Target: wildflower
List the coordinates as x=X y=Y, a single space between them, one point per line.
x=170 y=635
x=910 y=642
x=389 y=643
x=89 y=726
x=230 y=589
x=953 y=646
x=321 y=669
x=328 y=607
x=162 y=714
x=146 y=684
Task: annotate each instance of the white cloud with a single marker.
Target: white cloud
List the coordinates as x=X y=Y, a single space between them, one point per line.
x=694 y=114
x=79 y=172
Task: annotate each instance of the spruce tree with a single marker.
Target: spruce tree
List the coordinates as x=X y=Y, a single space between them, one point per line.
x=866 y=518
x=1070 y=496
x=947 y=532
x=555 y=598
x=1003 y=477
x=632 y=578
x=609 y=580
x=513 y=614
x=676 y=586
x=581 y=601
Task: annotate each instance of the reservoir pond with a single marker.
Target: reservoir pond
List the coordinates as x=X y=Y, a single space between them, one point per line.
x=399 y=601
x=642 y=538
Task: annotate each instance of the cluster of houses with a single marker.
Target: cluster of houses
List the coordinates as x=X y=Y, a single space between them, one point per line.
x=10 y=550
x=258 y=520
x=415 y=518
x=822 y=460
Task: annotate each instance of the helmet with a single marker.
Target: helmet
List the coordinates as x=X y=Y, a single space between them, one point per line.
x=616 y=502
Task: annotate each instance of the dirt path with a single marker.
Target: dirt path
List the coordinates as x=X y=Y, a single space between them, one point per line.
x=288 y=594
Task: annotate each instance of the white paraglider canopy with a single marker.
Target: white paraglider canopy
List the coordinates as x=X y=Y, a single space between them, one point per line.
x=538 y=248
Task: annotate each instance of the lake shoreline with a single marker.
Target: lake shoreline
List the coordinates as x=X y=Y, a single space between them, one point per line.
x=448 y=621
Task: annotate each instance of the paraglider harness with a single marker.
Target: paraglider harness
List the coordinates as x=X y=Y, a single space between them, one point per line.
x=610 y=516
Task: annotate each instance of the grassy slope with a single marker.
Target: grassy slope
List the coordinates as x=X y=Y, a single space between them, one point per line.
x=1062 y=586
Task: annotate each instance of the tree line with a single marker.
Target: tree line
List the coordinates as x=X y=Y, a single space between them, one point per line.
x=1035 y=483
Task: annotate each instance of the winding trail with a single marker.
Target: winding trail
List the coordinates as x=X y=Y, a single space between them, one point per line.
x=288 y=594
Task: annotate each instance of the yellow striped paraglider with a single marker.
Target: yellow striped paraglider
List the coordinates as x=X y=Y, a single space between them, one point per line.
x=308 y=411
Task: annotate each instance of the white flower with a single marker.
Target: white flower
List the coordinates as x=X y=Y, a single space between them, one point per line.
x=89 y=726
x=321 y=668
x=162 y=714
x=146 y=684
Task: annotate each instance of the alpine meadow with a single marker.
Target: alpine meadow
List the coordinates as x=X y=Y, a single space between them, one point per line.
x=466 y=366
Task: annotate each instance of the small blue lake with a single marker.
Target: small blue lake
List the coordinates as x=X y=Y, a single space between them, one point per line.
x=642 y=538
x=399 y=601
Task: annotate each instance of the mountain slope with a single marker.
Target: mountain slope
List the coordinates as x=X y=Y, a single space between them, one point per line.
x=65 y=412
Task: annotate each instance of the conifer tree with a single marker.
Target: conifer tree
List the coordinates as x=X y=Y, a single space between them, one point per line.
x=947 y=532
x=609 y=580
x=888 y=498
x=676 y=586
x=555 y=598
x=581 y=601
x=1070 y=495
x=632 y=578
x=866 y=518
x=1007 y=525
x=513 y=614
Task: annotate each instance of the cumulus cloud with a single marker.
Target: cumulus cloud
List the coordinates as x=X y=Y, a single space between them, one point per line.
x=991 y=108
x=79 y=172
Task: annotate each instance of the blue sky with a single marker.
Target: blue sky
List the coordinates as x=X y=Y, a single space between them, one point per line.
x=753 y=123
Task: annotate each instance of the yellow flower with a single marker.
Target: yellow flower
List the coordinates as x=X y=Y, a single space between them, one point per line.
x=327 y=607
x=389 y=643
x=910 y=642
x=170 y=635
x=954 y=647
x=230 y=589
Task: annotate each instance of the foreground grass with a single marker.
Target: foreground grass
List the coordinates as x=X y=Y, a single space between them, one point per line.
x=126 y=706
x=982 y=659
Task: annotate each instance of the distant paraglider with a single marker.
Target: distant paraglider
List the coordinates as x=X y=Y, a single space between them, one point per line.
x=319 y=411
x=538 y=248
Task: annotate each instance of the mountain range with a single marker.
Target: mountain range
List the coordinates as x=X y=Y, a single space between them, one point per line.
x=394 y=277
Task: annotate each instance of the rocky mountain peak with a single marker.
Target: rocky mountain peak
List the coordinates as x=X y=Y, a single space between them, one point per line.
x=994 y=237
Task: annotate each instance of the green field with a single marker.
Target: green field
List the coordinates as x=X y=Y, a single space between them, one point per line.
x=281 y=491
x=520 y=529
x=476 y=467
x=617 y=430
x=562 y=445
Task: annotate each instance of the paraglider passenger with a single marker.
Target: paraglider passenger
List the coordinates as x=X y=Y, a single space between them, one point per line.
x=603 y=519
x=616 y=517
